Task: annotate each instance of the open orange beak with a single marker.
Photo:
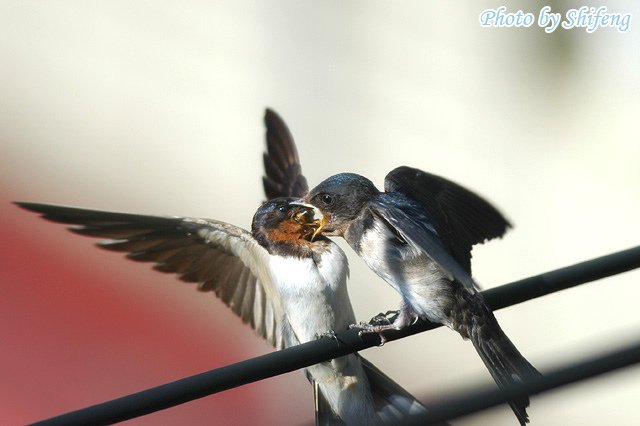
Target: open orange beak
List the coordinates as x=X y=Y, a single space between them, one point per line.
x=319 y=226
x=310 y=216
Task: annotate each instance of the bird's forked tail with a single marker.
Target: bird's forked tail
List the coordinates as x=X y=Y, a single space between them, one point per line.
x=503 y=360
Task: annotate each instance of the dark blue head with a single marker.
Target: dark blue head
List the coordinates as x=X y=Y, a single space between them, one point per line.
x=341 y=198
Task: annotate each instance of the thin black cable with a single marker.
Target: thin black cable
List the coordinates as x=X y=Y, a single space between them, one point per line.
x=486 y=397
x=345 y=342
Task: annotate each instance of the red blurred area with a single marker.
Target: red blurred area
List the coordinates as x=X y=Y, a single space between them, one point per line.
x=80 y=326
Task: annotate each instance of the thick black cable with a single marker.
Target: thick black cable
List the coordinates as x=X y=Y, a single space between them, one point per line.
x=483 y=398
x=563 y=278
x=345 y=342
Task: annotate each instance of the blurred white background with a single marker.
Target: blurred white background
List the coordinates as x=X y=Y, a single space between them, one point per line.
x=156 y=107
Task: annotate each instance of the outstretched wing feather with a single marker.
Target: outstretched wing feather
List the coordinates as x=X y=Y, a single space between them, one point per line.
x=218 y=256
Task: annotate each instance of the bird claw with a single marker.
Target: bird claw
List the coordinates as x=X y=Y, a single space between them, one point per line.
x=391 y=320
x=366 y=328
x=331 y=334
x=384 y=318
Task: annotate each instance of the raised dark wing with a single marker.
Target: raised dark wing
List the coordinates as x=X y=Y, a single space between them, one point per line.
x=219 y=257
x=283 y=173
x=461 y=217
x=415 y=228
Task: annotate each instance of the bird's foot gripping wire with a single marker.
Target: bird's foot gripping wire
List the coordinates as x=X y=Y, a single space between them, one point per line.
x=384 y=318
x=330 y=334
x=391 y=320
x=366 y=328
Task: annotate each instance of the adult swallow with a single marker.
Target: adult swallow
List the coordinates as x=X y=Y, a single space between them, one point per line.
x=417 y=236
x=288 y=288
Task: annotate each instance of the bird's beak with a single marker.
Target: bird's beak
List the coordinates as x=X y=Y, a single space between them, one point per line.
x=310 y=216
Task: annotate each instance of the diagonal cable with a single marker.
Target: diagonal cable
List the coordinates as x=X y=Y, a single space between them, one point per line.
x=483 y=398
x=290 y=359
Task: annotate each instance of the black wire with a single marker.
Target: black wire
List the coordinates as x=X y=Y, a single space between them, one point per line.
x=563 y=278
x=486 y=397
x=345 y=342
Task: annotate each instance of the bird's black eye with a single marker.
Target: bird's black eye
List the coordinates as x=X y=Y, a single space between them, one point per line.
x=326 y=199
x=282 y=209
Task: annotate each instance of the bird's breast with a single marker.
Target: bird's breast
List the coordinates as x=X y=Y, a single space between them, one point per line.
x=408 y=270
x=379 y=247
x=313 y=293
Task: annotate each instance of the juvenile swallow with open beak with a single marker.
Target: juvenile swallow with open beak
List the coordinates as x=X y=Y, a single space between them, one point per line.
x=289 y=289
x=417 y=236
x=282 y=278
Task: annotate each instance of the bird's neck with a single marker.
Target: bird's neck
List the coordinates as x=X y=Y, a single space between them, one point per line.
x=353 y=233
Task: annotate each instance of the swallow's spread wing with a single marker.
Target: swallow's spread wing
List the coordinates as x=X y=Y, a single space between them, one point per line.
x=461 y=217
x=281 y=163
x=414 y=228
x=219 y=257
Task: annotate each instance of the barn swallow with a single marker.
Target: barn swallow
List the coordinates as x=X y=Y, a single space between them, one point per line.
x=289 y=288
x=417 y=236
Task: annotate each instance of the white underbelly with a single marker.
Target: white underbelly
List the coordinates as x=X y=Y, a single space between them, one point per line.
x=411 y=273
x=313 y=304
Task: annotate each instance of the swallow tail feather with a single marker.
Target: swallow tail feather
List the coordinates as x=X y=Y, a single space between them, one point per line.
x=392 y=403
x=503 y=360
